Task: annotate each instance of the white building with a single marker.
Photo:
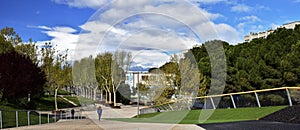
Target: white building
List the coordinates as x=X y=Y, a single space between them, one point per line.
x=291 y=25
x=264 y=34
x=135 y=77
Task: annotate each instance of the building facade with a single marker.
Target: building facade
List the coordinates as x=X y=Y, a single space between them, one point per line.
x=264 y=34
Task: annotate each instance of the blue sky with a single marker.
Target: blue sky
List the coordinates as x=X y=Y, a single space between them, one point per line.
x=67 y=23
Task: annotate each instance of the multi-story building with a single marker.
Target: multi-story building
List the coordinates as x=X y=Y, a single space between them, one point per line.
x=264 y=34
x=135 y=77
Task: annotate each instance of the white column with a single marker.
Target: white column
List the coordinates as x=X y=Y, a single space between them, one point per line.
x=28 y=118
x=212 y=102
x=289 y=96
x=232 y=100
x=17 y=119
x=257 y=99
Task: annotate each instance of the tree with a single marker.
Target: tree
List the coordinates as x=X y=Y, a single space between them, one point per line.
x=20 y=78
x=28 y=49
x=8 y=39
x=55 y=65
x=143 y=89
x=119 y=67
x=103 y=73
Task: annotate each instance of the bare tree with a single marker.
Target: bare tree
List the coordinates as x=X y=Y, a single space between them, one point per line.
x=119 y=67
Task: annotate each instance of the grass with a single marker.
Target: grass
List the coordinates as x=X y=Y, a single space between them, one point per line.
x=73 y=99
x=63 y=92
x=9 y=117
x=47 y=103
x=85 y=101
x=192 y=117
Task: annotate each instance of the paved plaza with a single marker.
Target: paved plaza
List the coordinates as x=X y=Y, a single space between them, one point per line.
x=92 y=122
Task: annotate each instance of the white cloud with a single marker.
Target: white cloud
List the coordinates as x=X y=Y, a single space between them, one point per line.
x=95 y=4
x=156 y=27
x=154 y=58
x=62 y=37
x=241 y=8
x=251 y=19
x=209 y=1
x=248 y=22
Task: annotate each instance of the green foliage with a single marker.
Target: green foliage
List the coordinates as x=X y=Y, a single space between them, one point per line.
x=259 y=64
x=85 y=101
x=46 y=103
x=62 y=92
x=21 y=80
x=73 y=99
x=272 y=100
x=8 y=39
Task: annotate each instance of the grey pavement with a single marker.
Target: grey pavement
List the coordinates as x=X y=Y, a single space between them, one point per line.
x=84 y=124
x=128 y=112
x=251 y=125
x=92 y=122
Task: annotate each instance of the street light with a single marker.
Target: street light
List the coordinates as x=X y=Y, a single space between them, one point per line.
x=138 y=94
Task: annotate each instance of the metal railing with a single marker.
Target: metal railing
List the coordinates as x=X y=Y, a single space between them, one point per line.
x=257 y=98
x=16 y=118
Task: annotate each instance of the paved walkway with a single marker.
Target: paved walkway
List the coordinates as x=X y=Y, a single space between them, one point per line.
x=84 y=124
x=92 y=123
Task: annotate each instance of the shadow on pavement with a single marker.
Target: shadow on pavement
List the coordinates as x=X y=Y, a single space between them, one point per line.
x=251 y=125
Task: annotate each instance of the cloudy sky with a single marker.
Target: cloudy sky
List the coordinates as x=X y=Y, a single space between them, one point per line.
x=151 y=29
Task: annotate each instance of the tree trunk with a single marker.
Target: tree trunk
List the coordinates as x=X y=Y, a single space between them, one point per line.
x=115 y=98
x=106 y=97
x=101 y=96
x=109 y=94
x=55 y=99
x=95 y=91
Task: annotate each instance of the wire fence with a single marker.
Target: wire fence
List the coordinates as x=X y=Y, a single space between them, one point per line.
x=16 y=118
x=257 y=98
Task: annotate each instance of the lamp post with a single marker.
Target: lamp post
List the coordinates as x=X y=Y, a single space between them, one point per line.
x=138 y=94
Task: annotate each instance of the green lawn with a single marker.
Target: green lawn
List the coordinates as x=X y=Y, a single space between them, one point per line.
x=62 y=92
x=9 y=117
x=73 y=99
x=85 y=101
x=47 y=103
x=192 y=117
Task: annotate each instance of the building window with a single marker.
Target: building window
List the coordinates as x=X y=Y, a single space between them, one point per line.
x=145 y=77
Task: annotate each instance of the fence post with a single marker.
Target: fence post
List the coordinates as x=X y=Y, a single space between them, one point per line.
x=60 y=114
x=232 y=100
x=40 y=120
x=17 y=120
x=55 y=116
x=289 y=96
x=28 y=118
x=0 y=119
x=257 y=99
x=48 y=118
x=212 y=102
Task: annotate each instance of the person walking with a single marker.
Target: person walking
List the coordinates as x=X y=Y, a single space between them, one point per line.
x=73 y=113
x=99 y=111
